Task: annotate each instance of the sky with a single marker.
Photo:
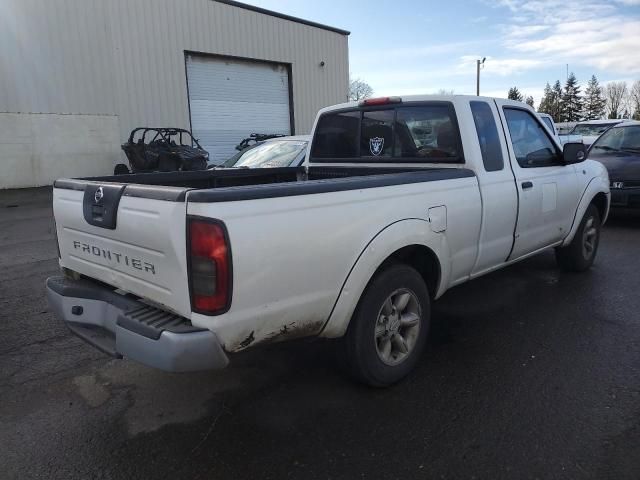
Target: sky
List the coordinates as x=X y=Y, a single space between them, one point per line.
x=405 y=47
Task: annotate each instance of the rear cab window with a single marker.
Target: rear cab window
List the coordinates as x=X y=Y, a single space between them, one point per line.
x=376 y=135
x=337 y=136
x=416 y=132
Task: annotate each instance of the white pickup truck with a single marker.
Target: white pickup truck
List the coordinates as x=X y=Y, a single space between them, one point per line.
x=399 y=200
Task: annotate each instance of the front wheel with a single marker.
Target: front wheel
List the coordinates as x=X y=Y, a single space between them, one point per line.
x=580 y=254
x=388 y=331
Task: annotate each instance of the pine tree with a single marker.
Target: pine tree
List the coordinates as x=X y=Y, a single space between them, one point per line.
x=594 y=101
x=545 y=101
x=556 y=102
x=514 y=94
x=529 y=101
x=571 y=100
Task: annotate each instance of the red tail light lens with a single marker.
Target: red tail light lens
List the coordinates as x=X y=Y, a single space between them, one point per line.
x=209 y=266
x=380 y=101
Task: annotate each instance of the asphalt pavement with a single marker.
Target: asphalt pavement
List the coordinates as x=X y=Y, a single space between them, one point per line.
x=530 y=373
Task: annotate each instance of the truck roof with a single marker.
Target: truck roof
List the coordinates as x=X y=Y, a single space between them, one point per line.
x=424 y=98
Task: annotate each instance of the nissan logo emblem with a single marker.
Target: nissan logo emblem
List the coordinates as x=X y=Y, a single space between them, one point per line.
x=99 y=194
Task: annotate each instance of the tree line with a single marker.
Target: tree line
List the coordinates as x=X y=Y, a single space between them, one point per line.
x=569 y=104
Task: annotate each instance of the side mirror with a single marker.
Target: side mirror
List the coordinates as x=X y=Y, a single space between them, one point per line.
x=573 y=152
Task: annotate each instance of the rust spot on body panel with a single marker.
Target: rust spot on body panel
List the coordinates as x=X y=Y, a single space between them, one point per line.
x=247 y=341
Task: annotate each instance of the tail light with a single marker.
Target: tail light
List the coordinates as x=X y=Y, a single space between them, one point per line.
x=380 y=101
x=209 y=266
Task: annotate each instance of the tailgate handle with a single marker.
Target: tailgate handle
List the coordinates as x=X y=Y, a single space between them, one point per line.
x=100 y=204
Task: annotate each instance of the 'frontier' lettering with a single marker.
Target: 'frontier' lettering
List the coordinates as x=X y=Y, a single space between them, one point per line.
x=117 y=257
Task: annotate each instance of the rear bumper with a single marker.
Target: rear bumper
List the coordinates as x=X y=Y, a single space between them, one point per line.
x=625 y=197
x=123 y=326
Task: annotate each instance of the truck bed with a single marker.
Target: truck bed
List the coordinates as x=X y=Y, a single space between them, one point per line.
x=222 y=185
x=129 y=230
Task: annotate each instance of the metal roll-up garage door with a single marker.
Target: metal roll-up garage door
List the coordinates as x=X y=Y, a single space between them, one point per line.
x=229 y=99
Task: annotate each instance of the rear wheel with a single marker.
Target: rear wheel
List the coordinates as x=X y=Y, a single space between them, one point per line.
x=580 y=254
x=388 y=331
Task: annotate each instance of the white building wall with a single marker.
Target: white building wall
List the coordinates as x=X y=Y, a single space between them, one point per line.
x=126 y=58
x=38 y=148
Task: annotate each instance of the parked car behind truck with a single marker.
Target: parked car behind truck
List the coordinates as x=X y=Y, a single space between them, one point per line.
x=283 y=151
x=618 y=149
x=588 y=131
x=179 y=273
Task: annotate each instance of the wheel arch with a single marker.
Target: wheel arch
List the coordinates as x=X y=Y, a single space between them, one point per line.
x=597 y=193
x=420 y=257
x=602 y=204
x=408 y=241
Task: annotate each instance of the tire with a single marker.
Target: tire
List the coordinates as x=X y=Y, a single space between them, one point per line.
x=580 y=254
x=121 y=169
x=375 y=347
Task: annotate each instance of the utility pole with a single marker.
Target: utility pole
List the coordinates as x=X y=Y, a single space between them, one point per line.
x=478 y=64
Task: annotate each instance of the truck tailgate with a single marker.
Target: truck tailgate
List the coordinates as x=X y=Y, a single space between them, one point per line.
x=131 y=237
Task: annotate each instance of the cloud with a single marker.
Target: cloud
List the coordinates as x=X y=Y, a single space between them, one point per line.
x=521 y=31
x=510 y=4
x=610 y=44
x=585 y=33
x=535 y=38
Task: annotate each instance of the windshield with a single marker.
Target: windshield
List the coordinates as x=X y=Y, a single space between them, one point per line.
x=590 y=130
x=268 y=154
x=620 y=139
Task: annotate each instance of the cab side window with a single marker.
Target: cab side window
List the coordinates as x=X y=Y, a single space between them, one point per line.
x=487 y=136
x=531 y=143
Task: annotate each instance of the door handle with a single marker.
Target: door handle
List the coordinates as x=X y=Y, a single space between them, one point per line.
x=526 y=185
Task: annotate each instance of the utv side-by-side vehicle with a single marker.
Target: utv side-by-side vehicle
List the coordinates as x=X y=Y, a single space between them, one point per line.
x=162 y=149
